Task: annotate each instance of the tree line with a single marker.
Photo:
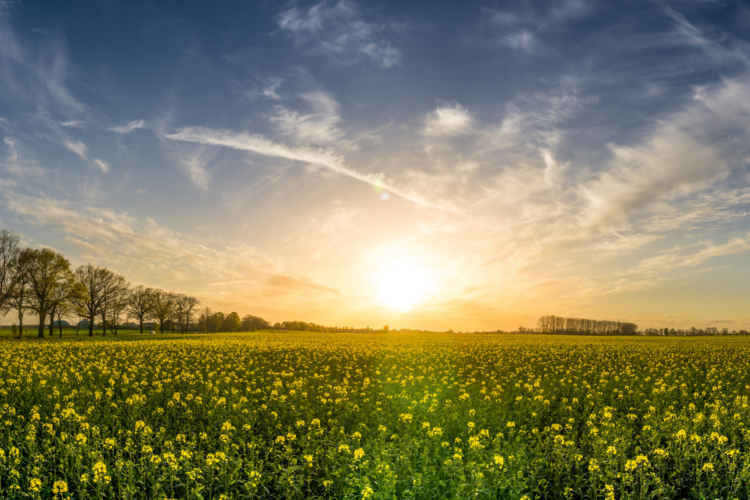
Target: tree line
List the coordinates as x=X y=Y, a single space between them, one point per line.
x=41 y=282
x=557 y=324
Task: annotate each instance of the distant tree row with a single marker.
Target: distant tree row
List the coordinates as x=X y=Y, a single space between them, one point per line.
x=711 y=330
x=557 y=324
x=213 y=322
x=41 y=282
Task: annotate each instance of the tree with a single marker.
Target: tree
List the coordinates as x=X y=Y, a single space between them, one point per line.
x=98 y=284
x=252 y=323
x=60 y=299
x=114 y=294
x=163 y=305
x=115 y=305
x=204 y=319
x=184 y=310
x=20 y=300
x=232 y=323
x=140 y=303
x=47 y=272
x=9 y=253
x=216 y=322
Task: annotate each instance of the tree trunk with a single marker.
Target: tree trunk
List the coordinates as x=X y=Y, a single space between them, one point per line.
x=104 y=323
x=161 y=327
x=20 y=324
x=141 y=325
x=42 y=317
x=91 y=324
x=59 y=325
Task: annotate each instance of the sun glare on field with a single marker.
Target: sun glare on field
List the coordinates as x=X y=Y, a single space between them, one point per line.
x=403 y=286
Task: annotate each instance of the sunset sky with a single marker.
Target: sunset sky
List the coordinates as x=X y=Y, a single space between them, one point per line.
x=437 y=164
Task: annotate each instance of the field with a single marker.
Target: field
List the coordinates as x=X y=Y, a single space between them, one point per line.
x=294 y=415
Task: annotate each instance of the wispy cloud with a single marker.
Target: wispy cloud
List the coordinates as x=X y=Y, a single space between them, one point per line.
x=674 y=260
x=148 y=251
x=103 y=165
x=126 y=129
x=16 y=164
x=320 y=126
x=315 y=156
x=77 y=147
x=448 y=121
x=338 y=31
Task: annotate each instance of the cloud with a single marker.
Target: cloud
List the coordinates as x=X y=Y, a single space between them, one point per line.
x=448 y=121
x=684 y=155
x=523 y=41
x=674 y=260
x=15 y=163
x=77 y=147
x=318 y=127
x=270 y=91
x=338 y=31
x=126 y=129
x=193 y=162
x=36 y=77
x=103 y=166
x=282 y=284
x=152 y=252
x=315 y=156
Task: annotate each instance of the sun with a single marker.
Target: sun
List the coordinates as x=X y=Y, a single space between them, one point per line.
x=403 y=285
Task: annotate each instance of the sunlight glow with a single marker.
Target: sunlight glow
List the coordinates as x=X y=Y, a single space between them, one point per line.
x=403 y=285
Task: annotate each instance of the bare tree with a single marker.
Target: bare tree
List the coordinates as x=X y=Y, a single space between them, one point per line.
x=184 y=309
x=163 y=305
x=204 y=319
x=47 y=272
x=113 y=298
x=141 y=303
x=116 y=305
x=97 y=285
x=59 y=299
x=20 y=300
x=9 y=253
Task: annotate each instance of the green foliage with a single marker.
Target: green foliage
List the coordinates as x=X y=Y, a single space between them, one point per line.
x=275 y=415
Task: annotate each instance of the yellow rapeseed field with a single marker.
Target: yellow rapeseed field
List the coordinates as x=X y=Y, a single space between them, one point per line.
x=297 y=415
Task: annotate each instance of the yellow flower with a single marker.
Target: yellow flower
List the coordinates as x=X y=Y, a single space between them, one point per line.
x=35 y=485
x=708 y=467
x=359 y=453
x=344 y=448
x=59 y=487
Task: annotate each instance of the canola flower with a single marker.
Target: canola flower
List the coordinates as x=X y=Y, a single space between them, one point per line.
x=269 y=415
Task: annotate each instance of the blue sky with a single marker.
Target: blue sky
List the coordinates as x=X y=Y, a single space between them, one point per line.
x=421 y=164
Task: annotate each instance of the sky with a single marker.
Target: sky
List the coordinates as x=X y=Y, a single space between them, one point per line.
x=465 y=165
